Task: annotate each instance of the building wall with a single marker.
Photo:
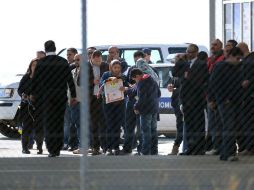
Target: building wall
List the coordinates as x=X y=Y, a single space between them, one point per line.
x=235 y=20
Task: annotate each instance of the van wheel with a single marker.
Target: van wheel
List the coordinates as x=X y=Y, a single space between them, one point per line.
x=9 y=129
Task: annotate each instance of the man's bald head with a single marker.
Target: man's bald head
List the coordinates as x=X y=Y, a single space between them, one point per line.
x=244 y=48
x=113 y=53
x=216 y=46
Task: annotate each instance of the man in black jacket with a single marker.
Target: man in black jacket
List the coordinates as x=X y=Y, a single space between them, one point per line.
x=245 y=138
x=49 y=86
x=193 y=99
x=224 y=93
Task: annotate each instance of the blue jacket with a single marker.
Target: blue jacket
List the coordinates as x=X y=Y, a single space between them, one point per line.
x=132 y=93
x=148 y=93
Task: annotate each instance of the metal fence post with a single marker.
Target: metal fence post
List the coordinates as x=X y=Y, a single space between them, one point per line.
x=84 y=103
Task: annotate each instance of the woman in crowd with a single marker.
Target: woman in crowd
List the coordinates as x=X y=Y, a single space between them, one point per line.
x=26 y=107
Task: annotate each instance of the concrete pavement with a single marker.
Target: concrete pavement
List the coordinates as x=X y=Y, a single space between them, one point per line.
x=128 y=172
x=35 y=172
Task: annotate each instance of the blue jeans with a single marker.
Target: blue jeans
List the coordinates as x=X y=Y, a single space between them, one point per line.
x=70 y=131
x=214 y=129
x=75 y=120
x=67 y=123
x=228 y=116
x=148 y=123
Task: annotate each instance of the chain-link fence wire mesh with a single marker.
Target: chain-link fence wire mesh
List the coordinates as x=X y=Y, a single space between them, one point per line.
x=116 y=147
x=222 y=96
x=117 y=159
x=119 y=152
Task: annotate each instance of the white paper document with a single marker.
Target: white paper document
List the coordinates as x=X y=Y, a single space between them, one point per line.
x=112 y=92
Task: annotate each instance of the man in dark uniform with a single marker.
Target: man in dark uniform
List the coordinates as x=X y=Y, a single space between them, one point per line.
x=49 y=85
x=245 y=138
x=174 y=87
x=193 y=99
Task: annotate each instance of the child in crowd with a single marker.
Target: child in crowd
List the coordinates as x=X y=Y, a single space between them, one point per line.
x=114 y=111
x=147 y=105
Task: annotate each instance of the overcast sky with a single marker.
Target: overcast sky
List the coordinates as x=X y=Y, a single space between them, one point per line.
x=27 y=24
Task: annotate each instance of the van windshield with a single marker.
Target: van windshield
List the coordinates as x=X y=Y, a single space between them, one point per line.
x=127 y=55
x=174 y=50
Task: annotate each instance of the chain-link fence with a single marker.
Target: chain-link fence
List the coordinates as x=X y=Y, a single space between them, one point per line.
x=95 y=122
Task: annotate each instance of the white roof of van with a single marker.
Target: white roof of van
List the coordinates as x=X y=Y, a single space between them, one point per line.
x=142 y=45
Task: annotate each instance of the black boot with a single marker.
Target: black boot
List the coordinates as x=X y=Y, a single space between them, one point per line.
x=39 y=147
x=26 y=151
x=25 y=141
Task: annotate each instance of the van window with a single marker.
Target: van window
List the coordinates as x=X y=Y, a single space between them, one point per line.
x=127 y=55
x=165 y=75
x=174 y=50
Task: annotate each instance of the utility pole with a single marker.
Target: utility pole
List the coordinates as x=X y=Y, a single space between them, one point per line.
x=84 y=103
x=212 y=26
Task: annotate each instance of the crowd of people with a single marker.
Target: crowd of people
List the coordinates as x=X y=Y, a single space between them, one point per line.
x=220 y=85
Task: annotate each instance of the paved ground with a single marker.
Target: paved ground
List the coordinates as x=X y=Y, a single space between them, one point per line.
x=12 y=148
x=163 y=172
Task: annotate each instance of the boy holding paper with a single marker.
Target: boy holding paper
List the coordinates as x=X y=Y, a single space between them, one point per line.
x=147 y=105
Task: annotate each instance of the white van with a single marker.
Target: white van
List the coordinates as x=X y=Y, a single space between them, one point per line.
x=9 y=105
x=160 y=53
x=167 y=124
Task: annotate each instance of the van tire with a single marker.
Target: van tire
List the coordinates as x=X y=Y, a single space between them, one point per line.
x=9 y=131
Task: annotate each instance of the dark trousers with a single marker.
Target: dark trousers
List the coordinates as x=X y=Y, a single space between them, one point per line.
x=75 y=120
x=26 y=116
x=39 y=124
x=245 y=125
x=54 y=109
x=114 y=114
x=214 y=134
x=130 y=120
x=97 y=125
x=228 y=116
x=194 y=119
x=179 y=121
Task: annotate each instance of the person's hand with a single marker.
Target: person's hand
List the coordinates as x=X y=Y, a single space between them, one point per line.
x=113 y=79
x=181 y=108
x=96 y=81
x=32 y=99
x=245 y=83
x=122 y=88
x=24 y=97
x=212 y=105
x=73 y=101
x=136 y=112
x=131 y=85
x=170 y=88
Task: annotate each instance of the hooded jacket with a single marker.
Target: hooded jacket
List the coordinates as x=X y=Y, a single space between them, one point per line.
x=148 y=94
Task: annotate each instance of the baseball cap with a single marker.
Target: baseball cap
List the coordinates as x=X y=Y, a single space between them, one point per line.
x=147 y=51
